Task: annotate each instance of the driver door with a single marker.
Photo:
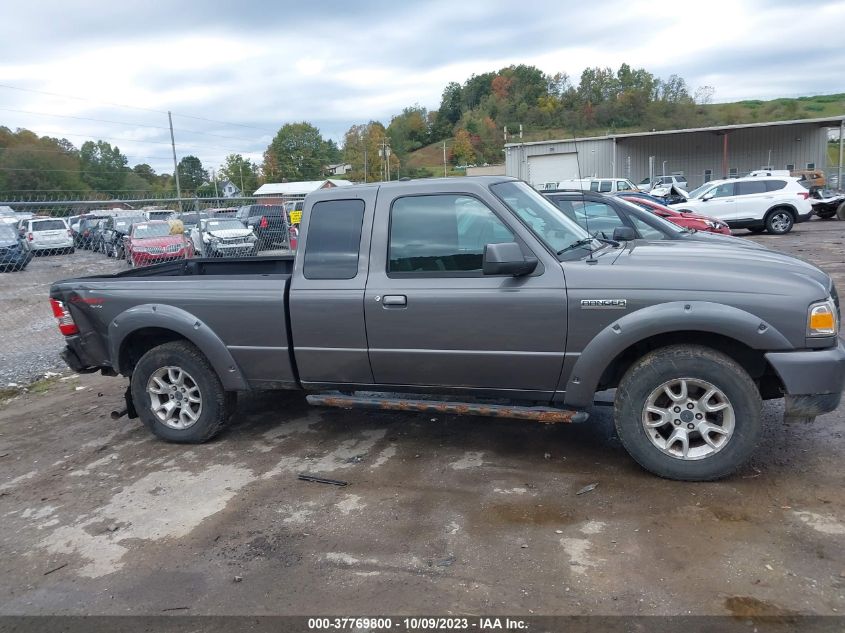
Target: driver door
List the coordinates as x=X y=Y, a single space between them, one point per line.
x=433 y=318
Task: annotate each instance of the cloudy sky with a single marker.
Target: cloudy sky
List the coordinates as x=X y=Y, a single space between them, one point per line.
x=234 y=72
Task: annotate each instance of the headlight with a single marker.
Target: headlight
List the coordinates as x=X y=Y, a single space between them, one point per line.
x=821 y=319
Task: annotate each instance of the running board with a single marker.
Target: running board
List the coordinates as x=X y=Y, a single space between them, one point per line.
x=548 y=415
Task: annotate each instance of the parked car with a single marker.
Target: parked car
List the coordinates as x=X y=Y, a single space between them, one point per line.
x=84 y=237
x=466 y=290
x=15 y=253
x=759 y=173
x=153 y=242
x=687 y=220
x=827 y=203
x=772 y=204
x=644 y=185
x=48 y=234
x=114 y=231
x=222 y=212
x=603 y=215
x=661 y=185
x=223 y=237
x=97 y=234
x=600 y=185
x=269 y=223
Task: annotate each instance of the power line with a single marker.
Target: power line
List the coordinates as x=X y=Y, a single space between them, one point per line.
x=71 y=154
x=146 y=125
x=119 y=105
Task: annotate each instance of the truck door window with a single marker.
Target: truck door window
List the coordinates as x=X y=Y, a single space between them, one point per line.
x=441 y=234
x=605 y=186
x=333 y=239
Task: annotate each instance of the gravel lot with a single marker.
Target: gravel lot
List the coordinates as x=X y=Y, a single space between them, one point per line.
x=29 y=338
x=442 y=514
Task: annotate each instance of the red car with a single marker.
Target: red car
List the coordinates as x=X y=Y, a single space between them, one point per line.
x=683 y=219
x=152 y=243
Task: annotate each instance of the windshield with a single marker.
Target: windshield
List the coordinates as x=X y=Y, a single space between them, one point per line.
x=7 y=233
x=223 y=225
x=143 y=231
x=49 y=225
x=700 y=191
x=544 y=219
x=653 y=219
x=123 y=224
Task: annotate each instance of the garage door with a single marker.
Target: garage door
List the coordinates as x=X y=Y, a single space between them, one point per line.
x=551 y=168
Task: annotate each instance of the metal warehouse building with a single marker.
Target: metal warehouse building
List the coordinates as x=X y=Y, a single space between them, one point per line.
x=700 y=154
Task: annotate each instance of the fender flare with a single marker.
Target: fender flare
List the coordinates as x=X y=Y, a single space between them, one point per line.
x=784 y=205
x=679 y=316
x=186 y=325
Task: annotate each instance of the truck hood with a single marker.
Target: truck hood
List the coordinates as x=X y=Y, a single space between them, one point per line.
x=720 y=265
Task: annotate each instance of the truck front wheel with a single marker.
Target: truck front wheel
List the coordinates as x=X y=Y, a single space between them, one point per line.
x=178 y=395
x=688 y=412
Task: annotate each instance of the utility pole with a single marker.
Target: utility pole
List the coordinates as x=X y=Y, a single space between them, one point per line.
x=241 y=169
x=365 y=163
x=444 y=159
x=214 y=178
x=175 y=165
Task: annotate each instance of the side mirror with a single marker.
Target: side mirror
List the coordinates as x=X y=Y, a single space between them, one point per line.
x=506 y=259
x=624 y=234
x=707 y=196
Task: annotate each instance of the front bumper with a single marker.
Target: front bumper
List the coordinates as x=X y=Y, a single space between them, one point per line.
x=145 y=259
x=812 y=379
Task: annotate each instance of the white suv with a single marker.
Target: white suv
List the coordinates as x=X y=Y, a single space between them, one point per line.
x=48 y=235
x=772 y=204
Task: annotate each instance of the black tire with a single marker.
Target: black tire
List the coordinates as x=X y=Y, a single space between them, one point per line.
x=756 y=229
x=825 y=215
x=840 y=211
x=694 y=362
x=217 y=404
x=780 y=221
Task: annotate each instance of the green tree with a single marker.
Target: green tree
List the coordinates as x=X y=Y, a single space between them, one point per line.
x=241 y=171
x=191 y=173
x=103 y=166
x=298 y=152
x=144 y=171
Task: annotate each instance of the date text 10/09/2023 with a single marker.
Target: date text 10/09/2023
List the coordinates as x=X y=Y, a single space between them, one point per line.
x=417 y=624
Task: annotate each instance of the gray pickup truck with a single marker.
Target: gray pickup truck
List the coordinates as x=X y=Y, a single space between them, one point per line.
x=473 y=295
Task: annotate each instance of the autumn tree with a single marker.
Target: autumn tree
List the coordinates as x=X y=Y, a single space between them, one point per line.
x=463 y=152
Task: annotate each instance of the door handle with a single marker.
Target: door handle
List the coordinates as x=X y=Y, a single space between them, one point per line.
x=394 y=300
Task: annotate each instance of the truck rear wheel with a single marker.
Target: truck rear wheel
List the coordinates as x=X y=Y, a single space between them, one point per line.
x=178 y=395
x=688 y=412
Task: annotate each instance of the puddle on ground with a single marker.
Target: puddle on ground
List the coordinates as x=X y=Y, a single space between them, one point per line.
x=748 y=607
x=528 y=514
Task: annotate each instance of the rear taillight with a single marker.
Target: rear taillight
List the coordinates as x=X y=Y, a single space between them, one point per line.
x=66 y=324
x=263 y=223
x=804 y=194
x=30 y=237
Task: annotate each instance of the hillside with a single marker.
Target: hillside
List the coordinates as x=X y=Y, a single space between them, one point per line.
x=430 y=157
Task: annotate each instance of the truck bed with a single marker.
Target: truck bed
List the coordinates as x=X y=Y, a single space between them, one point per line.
x=236 y=315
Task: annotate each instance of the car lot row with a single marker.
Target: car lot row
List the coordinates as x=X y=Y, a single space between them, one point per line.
x=150 y=236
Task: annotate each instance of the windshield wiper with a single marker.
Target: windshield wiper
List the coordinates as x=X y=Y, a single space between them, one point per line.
x=586 y=240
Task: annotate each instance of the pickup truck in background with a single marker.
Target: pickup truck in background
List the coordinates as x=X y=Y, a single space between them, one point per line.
x=473 y=295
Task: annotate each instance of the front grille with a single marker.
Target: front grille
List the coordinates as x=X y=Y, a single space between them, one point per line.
x=174 y=248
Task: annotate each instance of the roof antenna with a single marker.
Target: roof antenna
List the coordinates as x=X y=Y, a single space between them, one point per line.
x=590 y=259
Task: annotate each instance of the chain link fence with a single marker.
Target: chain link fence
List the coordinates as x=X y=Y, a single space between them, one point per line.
x=45 y=243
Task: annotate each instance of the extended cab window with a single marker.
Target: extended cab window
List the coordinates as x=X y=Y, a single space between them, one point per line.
x=441 y=233
x=606 y=186
x=334 y=237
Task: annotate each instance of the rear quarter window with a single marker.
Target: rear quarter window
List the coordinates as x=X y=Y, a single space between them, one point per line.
x=775 y=185
x=333 y=239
